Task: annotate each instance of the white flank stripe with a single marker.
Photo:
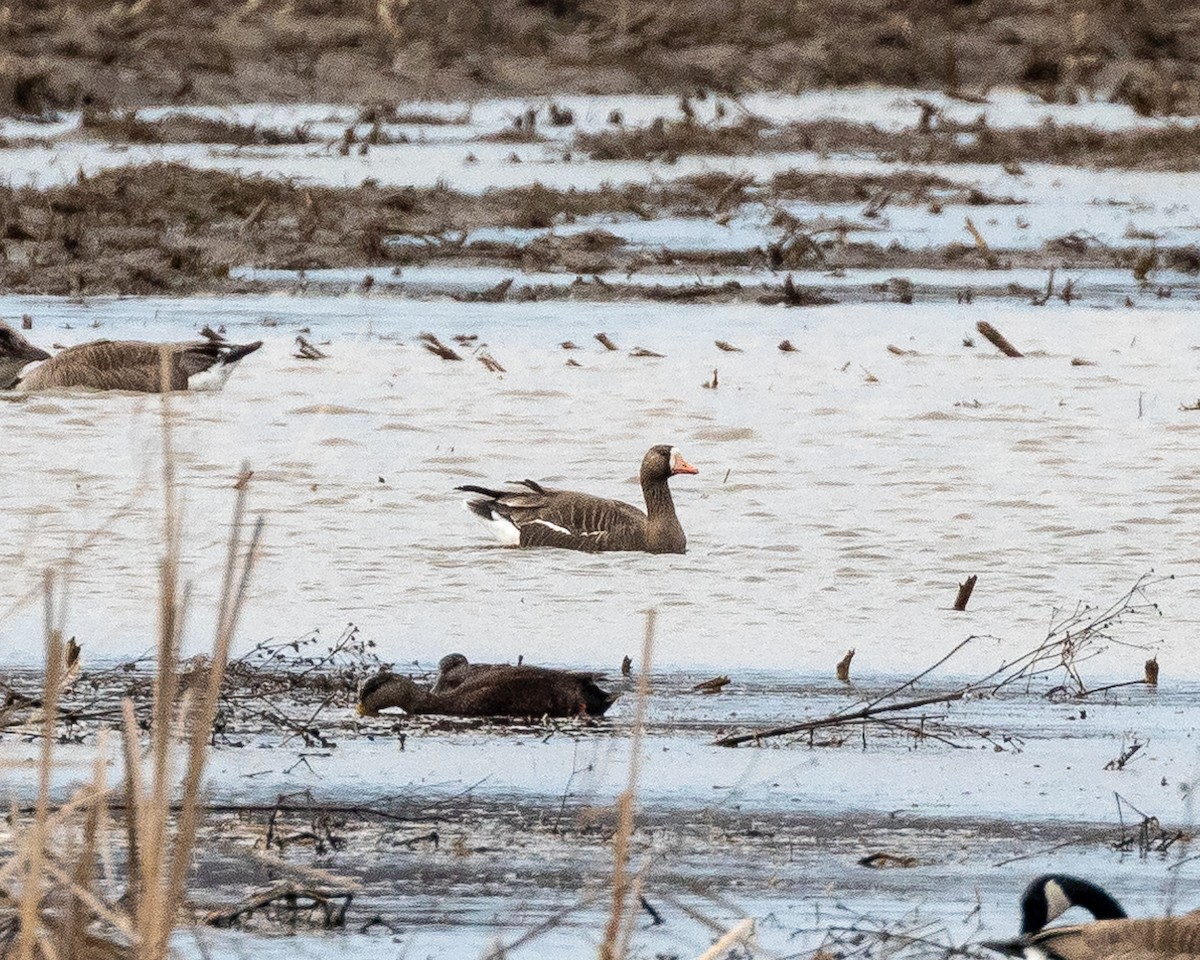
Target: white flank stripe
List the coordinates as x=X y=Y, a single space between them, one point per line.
x=552 y=526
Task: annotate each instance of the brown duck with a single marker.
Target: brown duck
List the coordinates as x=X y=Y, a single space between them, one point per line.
x=1111 y=936
x=122 y=364
x=498 y=691
x=454 y=669
x=540 y=517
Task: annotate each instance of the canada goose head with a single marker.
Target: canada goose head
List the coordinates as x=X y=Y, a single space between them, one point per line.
x=386 y=690
x=15 y=353
x=1051 y=895
x=663 y=461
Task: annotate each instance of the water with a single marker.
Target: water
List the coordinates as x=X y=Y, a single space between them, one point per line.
x=830 y=512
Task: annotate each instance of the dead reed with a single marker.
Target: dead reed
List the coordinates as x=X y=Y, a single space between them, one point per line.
x=65 y=912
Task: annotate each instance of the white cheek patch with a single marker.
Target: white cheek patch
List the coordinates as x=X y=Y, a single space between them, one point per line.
x=211 y=379
x=1057 y=902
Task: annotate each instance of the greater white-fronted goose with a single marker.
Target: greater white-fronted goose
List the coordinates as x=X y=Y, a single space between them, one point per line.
x=138 y=366
x=540 y=517
x=15 y=353
x=499 y=691
x=1112 y=936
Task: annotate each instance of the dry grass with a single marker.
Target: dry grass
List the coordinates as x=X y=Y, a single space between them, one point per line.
x=65 y=911
x=228 y=50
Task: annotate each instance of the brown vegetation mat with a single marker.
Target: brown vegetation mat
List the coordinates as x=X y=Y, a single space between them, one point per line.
x=937 y=140
x=172 y=229
x=215 y=51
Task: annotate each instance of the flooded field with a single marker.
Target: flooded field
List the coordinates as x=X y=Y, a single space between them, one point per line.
x=860 y=455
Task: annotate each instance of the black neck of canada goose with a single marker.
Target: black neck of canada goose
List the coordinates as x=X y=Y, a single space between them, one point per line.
x=15 y=353
x=1051 y=895
x=1111 y=935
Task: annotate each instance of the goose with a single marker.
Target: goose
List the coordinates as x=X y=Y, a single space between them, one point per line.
x=15 y=353
x=1111 y=936
x=135 y=365
x=499 y=691
x=540 y=517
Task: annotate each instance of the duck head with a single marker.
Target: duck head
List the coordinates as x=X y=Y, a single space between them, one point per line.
x=386 y=690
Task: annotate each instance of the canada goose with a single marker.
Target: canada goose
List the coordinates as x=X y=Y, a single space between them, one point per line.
x=500 y=691
x=1111 y=936
x=15 y=353
x=135 y=365
x=541 y=517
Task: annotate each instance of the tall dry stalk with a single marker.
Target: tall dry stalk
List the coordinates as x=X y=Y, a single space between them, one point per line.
x=619 y=928
x=158 y=858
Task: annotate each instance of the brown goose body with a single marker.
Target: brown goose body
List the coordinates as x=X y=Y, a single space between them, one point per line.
x=136 y=366
x=1154 y=938
x=501 y=691
x=1111 y=936
x=15 y=354
x=537 y=516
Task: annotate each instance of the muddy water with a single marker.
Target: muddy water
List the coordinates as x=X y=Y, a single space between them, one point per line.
x=844 y=491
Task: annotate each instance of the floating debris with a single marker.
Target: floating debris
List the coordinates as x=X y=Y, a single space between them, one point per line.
x=437 y=348
x=306 y=351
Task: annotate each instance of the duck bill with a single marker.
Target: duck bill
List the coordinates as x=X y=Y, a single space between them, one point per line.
x=361 y=710
x=679 y=465
x=33 y=353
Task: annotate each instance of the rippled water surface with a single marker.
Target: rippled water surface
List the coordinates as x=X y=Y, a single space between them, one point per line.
x=844 y=490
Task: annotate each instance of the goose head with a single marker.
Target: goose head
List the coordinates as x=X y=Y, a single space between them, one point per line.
x=15 y=353
x=1051 y=895
x=664 y=461
x=1047 y=898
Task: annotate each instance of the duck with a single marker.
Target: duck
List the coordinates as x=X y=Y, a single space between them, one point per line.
x=132 y=365
x=16 y=353
x=499 y=691
x=538 y=516
x=455 y=668
x=1111 y=935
